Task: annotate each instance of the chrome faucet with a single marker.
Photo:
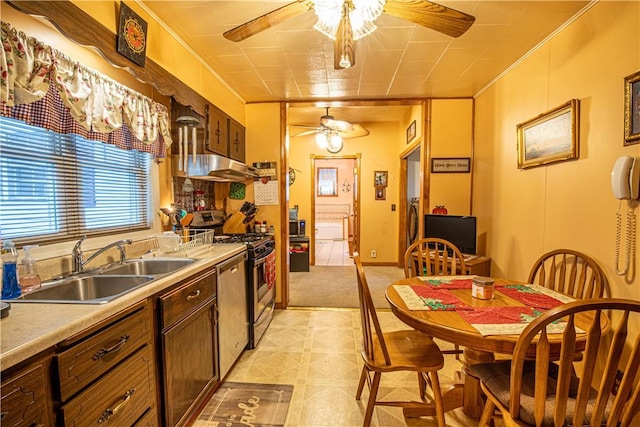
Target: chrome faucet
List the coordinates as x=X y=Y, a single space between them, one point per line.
x=77 y=257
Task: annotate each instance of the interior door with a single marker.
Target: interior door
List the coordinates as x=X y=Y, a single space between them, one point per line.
x=355 y=244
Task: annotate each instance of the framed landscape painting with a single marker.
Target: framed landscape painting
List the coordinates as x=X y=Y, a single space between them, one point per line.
x=549 y=138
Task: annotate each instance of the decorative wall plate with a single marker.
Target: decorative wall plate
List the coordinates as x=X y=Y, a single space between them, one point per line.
x=132 y=35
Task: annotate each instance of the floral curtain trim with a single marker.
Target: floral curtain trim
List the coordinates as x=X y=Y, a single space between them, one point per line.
x=96 y=102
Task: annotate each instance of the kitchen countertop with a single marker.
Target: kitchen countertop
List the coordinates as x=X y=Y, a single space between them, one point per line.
x=33 y=327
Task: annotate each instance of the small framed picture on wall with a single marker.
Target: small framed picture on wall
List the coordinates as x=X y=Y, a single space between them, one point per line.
x=381 y=193
x=380 y=178
x=632 y=109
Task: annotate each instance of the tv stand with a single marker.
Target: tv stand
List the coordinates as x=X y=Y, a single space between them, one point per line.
x=480 y=266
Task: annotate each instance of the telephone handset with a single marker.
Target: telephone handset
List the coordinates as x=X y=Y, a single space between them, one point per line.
x=625 y=183
x=624 y=178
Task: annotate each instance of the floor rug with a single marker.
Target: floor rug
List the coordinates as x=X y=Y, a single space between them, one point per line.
x=336 y=286
x=243 y=404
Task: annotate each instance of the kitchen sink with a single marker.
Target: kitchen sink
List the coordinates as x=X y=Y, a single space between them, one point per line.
x=147 y=266
x=85 y=290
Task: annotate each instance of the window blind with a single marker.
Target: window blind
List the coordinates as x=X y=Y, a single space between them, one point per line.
x=56 y=187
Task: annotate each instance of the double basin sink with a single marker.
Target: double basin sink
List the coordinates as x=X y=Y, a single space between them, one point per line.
x=106 y=283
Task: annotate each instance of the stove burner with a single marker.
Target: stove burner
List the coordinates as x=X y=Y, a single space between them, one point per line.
x=242 y=238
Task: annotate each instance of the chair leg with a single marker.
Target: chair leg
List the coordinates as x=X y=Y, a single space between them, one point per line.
x=487 y=413
x=437 y=396
x=422 y=384
x=363 y=378
x=373 y=392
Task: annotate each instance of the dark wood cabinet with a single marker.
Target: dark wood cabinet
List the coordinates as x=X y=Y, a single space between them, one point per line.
x=217 y=140
x=189 y=351
x=107 y=374
x=225 y=135
x=25 y=400
x=118 y=399
x=236 y=141
x=88 y=360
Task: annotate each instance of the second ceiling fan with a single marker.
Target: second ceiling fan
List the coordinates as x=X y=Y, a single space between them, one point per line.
x=330 y=133
x=348 y=20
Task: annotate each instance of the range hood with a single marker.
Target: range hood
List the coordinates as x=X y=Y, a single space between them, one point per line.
x=212 y=167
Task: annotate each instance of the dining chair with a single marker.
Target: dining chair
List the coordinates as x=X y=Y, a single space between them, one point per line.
x=602 y=389
x=570 y=272
x=433 y=257
x=404 y=350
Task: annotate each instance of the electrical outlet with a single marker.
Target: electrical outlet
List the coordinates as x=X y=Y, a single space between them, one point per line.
x=374 y=253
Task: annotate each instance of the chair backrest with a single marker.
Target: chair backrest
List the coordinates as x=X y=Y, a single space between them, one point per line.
x=601 y=352
x=570 y=272
x=370 y=325
x=433 y=257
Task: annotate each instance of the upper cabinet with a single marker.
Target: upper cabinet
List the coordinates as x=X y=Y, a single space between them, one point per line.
x=217 y=133
x=236 y=141
x=226 y=136
x=217 y=140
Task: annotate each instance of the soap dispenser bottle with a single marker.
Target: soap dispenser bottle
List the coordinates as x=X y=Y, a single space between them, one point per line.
x=10 y=287
x=27 y=271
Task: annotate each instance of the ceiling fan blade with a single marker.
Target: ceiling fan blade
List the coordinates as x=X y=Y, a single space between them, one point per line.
x=431 y=15
x=268 y=20
x=306 y=126
x=339 y=125
x=358 y=131
x=307 y=132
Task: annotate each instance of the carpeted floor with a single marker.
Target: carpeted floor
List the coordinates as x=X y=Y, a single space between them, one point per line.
x=325 y=286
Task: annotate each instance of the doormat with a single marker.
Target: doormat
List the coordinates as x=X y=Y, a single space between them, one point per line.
x=244 y=404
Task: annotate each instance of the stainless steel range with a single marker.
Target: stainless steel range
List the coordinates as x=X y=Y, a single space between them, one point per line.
x=261 y=280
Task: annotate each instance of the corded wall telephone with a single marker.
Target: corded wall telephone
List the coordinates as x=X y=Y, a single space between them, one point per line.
x=625 y=183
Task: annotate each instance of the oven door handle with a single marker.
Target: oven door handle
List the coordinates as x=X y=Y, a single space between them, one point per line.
x=262 y=259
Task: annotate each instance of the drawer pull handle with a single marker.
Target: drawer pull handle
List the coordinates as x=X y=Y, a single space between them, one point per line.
x=104 y=351
x=194 y=295
x=109 y=412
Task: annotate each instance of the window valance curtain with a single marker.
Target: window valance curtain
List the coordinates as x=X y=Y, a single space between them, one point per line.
x=95 y=102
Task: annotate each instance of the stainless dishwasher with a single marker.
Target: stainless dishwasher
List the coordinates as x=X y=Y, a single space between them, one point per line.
x=233 y=316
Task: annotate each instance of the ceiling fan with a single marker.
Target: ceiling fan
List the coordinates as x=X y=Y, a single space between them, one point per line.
x=330 y=133
x=348 y=20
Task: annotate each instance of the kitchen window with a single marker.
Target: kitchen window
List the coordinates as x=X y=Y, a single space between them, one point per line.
x=56 y=187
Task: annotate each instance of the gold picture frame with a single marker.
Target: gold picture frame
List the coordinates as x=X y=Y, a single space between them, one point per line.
x=411 y=131
x=380 y=178
x=381 y=193
x=550 y=137
x=632 y=109
x=327 y=183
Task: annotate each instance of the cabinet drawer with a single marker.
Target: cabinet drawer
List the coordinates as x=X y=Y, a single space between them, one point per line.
x=88 y=360
x=118 y=399
x=181 y=301
x=149 y=419
x=23 y=400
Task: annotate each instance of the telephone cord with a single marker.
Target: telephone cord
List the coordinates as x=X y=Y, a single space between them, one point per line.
x=630 y=241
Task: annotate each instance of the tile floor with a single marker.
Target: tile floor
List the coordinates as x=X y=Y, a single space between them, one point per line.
x=317 y=351
x=333 y=253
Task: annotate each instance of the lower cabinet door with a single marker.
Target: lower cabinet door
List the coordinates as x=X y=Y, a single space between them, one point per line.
x=120 y=398
x=23 y=401
x=190 y=364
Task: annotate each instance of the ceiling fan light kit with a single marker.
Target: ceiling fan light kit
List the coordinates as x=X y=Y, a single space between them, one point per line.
x=360 y=13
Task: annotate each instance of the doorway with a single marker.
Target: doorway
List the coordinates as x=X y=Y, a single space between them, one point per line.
x=334 y=226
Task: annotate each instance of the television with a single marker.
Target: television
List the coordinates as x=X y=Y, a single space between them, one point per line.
x=459 y=230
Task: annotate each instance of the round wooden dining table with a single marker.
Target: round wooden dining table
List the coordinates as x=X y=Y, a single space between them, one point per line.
x=451 y=326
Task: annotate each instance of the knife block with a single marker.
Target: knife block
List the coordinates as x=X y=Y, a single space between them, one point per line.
x=235 y=224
